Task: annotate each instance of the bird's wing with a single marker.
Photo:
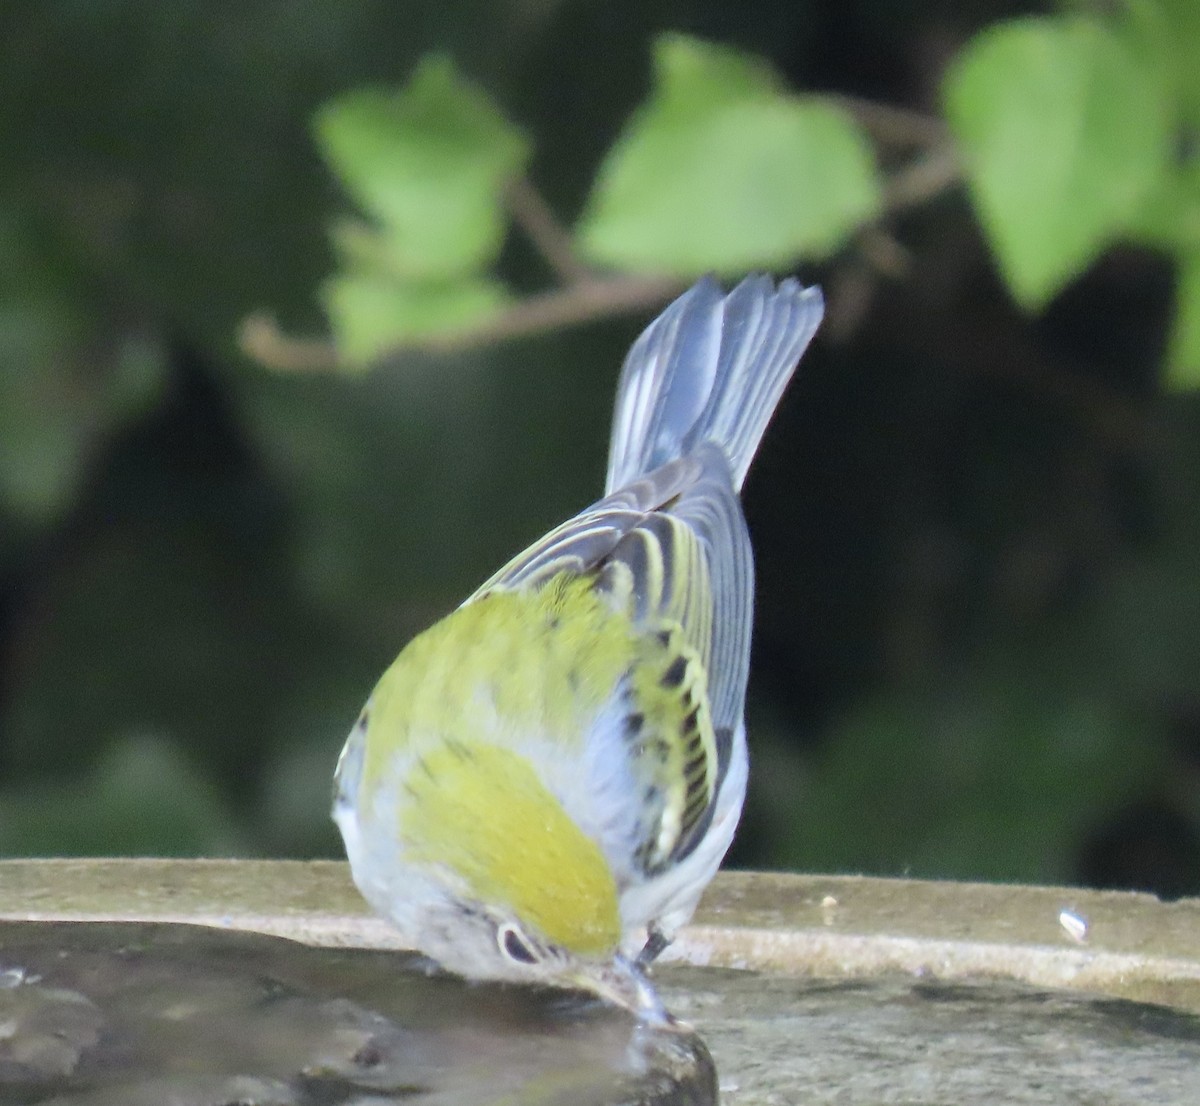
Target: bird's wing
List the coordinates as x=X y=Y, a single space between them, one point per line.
x=672 y=550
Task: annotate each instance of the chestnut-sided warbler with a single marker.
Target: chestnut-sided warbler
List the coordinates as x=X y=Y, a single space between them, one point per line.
x=541 y=785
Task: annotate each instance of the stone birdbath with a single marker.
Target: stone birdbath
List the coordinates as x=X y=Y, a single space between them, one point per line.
x=268 y=983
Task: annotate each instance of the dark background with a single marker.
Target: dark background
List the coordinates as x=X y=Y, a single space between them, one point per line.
x=978 y=536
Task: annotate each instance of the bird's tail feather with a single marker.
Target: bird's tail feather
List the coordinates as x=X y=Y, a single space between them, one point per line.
x=711 y=367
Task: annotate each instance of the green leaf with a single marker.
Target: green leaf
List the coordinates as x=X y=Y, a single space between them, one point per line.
x=1165 y=36
x=430 y=164
x=1170 y=217
x=372 y=314
x=1065 y=135
x=721 y=170
x=1184 y=357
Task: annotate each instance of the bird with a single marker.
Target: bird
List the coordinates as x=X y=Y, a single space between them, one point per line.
x=542 y=784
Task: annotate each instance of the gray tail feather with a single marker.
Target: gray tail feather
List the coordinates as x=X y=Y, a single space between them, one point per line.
x=711 y=367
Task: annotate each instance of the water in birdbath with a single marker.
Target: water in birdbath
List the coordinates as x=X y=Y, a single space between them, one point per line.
x=97 y=1014
x=93 y=1014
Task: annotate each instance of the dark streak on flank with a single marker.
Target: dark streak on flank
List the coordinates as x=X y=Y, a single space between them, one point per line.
x=673 y=676
x=696 y=764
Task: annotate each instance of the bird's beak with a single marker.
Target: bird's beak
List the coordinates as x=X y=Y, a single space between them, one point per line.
x=624 y=984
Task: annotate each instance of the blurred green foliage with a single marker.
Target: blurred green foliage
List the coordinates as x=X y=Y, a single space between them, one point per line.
x=1068 y=128
x=722 y=171
x=977 y=529
x=1066 y=103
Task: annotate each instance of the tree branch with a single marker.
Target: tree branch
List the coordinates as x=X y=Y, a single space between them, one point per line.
x=891 y=125
x=261 y=339
x=581 y=302
x=924 y=178
x=550 y=238
x=583 y=295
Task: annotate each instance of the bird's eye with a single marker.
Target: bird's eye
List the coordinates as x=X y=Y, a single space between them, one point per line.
x=515 y=945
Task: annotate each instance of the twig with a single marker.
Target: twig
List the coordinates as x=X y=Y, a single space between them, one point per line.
x=881 y=250
x=939 y=170
x=260 y=338
x=536 y=218
x=891 y=125
x=880 y=254
x=584 y=296
x=581 y=302
x=594 y=298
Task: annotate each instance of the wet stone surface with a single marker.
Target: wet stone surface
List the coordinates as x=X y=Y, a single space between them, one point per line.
x=921 y=1042
x=98 y=1014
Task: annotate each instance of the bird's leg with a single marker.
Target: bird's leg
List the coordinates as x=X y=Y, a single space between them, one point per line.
x=656 y=941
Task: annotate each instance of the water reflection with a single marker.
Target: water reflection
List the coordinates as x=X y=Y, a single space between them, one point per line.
x=125 y=1014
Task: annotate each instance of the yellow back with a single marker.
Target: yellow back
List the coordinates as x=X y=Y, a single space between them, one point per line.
x=450 y=727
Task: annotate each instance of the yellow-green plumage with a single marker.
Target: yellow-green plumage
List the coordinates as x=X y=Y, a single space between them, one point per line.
x=439 y=720
x=551 y=774
x=670 y=692
x=567 y=648
x=558 y=671
x=524 y=853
